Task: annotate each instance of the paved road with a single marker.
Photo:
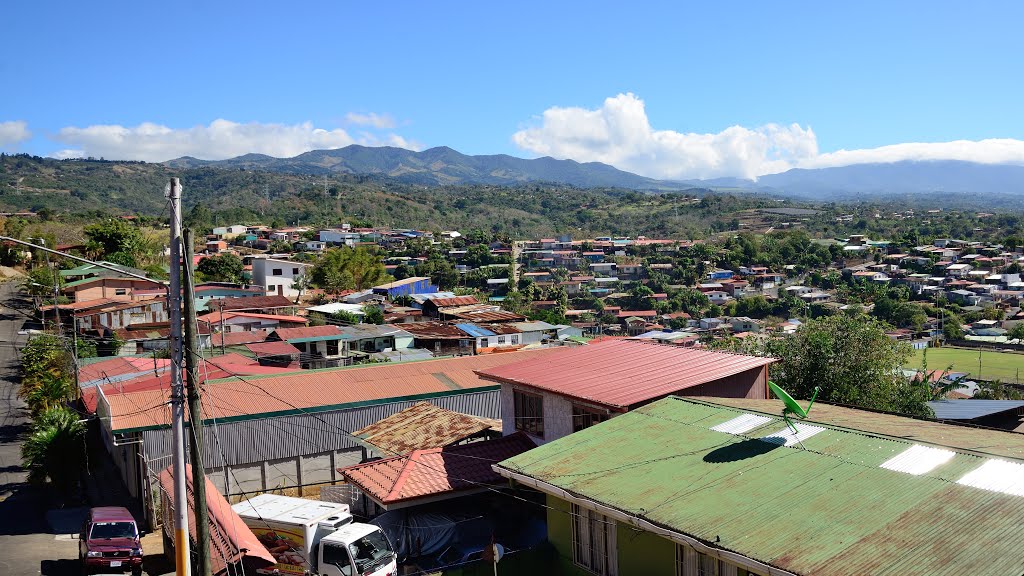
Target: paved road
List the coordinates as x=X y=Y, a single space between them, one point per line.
x=30 y=545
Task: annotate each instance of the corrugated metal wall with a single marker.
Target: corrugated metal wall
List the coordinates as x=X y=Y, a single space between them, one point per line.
x=253 y=441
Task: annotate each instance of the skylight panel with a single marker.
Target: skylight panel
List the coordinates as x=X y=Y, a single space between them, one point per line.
x=742 y=423
x=918 y=460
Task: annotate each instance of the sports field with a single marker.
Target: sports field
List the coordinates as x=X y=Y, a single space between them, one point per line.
x=994 y=365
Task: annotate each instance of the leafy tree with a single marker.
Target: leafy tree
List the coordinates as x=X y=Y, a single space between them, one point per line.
x=221 y=268
x=953 y=327
x=996 y=390
x=345 y=317
x=47 y=373
x=373 y=315
x=853 y=362
x=115 y=240
x=1017 y=332
x=55 y=449
x=40 y=281
x=348 y=268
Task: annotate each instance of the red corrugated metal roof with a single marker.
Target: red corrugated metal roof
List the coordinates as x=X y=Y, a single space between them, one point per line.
x=308 y=332
x=231 y=541
x=249 y=303
x=437 y=471
x=236 y=338
x=272 y=349
x=311 y=389
x=621 y=373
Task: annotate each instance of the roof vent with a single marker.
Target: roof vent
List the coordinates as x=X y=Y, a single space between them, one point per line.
x=742 y=423
x=918 y=460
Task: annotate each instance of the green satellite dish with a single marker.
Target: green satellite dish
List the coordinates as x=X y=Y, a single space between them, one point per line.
x=791 y=406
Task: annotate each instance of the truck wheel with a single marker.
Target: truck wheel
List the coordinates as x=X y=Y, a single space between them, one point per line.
x=137 y=571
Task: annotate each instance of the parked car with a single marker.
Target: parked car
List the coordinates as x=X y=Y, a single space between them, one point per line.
x=109 y=541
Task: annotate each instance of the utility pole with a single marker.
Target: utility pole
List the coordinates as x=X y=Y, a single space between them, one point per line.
x=181 y=542
x=195 y=414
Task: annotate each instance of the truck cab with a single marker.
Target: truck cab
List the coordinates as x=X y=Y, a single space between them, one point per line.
x=356 y=550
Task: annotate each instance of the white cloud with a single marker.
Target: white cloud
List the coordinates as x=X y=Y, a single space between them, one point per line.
x=219 y=140
x=620 y=134
x=13 y=132
x=382 y=121
x=992 y=151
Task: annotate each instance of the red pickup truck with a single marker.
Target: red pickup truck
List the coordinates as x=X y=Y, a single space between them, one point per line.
x=109 y=541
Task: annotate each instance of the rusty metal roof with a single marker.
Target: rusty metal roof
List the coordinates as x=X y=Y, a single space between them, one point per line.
x=422 y=426
x=454 y=301
x=621 y=373
x=852 y=502
x=489 y=316
x=434 y=330
x=400 y=480
x=246 y=398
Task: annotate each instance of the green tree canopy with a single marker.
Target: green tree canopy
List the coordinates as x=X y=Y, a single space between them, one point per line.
x=115 y=240
x=55 y=450
x=348 y=268
x=852 y=360
x=221 y=268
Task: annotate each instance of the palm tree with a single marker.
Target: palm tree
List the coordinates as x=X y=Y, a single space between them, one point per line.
x=45 y=390
x=55 y=450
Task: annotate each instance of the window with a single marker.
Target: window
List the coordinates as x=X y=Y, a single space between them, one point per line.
x=584 y=417
x=332 y=347
x=501 y=339
x=593 y=542
x=120 y=291
x=277 y=272
x=690 y=562
x=515 y=339
x=295 y=271
x=529 y=412
x=337 y=556
x=301 y=346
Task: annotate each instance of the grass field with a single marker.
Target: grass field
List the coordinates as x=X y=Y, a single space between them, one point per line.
x=994 y=365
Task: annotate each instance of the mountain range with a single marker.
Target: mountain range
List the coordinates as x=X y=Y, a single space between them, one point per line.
x=445 y=166
x=437 y=166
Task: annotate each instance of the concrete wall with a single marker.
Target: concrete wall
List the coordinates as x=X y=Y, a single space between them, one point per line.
x=557 y=414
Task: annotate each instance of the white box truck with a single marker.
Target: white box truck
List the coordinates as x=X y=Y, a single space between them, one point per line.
x=312 y=537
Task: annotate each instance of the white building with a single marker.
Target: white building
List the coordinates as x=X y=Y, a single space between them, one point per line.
x=277 y=276
x=339 y=237
x=228 y=232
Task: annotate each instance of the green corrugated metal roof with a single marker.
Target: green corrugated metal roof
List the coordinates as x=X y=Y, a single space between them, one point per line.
x=829 y=509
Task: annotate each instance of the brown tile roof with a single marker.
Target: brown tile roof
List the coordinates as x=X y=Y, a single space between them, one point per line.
x=422 y=426
x=435 y=472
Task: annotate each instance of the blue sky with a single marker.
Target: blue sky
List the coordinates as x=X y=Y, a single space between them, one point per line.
x=666 y=89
